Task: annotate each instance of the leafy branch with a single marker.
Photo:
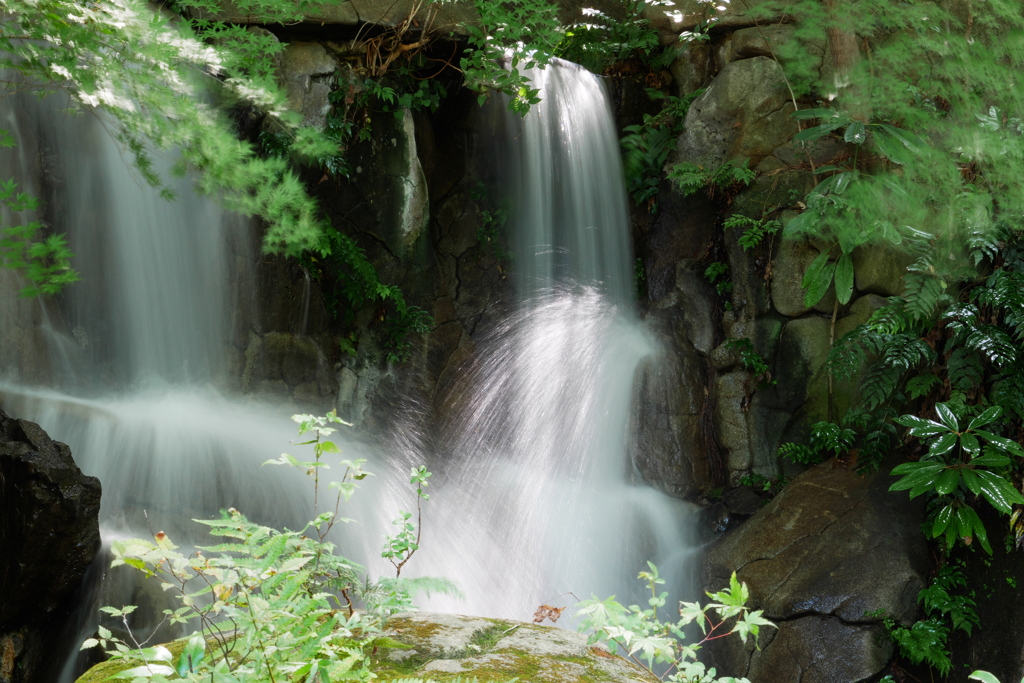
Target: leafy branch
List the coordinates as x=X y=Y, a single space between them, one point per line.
x=645 y=639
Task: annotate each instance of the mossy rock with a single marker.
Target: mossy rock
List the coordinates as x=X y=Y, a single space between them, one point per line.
x=104 y=670
x=445 y=647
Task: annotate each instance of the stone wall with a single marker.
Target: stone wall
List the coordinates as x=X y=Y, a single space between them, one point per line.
x=705 y=420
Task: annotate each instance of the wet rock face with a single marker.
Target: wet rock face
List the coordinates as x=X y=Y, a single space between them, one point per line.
x=829 y=550
x=49 y=533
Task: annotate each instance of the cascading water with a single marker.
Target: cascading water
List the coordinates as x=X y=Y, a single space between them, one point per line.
x=535 y=463
x=534 y=493
x=130 y=378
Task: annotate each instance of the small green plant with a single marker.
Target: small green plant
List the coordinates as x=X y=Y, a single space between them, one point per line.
x=962 y=460
x=718 y=275
x=690 y=178
x=645 y=147
x=827 y=440
x=398 y=549
x=408 y=321
x=875 y=436
x=832 y=207
x=924 y=642
x=756 y=480
x=269 y=605
x=752 y=361
x=946 y=609
x=754 y=230
x=641 y=636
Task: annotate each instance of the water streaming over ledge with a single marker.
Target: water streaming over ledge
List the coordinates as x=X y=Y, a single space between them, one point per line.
x=534 y=494
x=535 y=460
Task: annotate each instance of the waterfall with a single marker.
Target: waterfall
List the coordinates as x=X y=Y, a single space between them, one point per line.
x=535 y=462
x=125 y=371
x=534 y=496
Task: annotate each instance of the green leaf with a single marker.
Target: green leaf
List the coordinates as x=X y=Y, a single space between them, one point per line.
x=800 y=223
x=912 y=142
x=947 y=416
x=830 y=168
x=987 y=416
x=984 y=677
x=844 y=278
x=991 y=459
x=919 y=480
x=912 y=467
x=891 y=147
x=972 y=481
x=817 y=279
x=970 y=526
x=192 y=655
x=920 y=427
x=964 y=522
x=855 y=133
x=944 y=444
x=815 y=132
x=805 y=114
x=999 y=491
x=947 y=482
x=969 y=443
x=1001 y=442
x=942 y=520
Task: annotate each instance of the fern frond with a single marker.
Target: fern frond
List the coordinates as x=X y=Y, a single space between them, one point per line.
x=921 y=385
x=901 y=354
x=1008 y=392
x=1004 y=290
x=891 y=319
x=961 y=319
x=994 y=344
x=964 y=369
x=877 y=386
x=984 y=242
x=922 y=293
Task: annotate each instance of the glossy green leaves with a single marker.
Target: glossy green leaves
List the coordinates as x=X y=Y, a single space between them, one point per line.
x=957 y=465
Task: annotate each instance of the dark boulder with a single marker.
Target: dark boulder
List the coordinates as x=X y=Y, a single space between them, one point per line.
x=49 y=533
x=821 y=559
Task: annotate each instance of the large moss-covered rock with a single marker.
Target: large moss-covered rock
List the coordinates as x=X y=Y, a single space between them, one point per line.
x=447 y=647
x=879 y=269
x=820 y=559
x=743 y=115
x=800 y=369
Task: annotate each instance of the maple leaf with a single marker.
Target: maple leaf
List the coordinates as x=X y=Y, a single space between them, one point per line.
x=547 y=612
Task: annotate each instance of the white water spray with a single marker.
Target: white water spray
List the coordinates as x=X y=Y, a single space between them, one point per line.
x=538 y=497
